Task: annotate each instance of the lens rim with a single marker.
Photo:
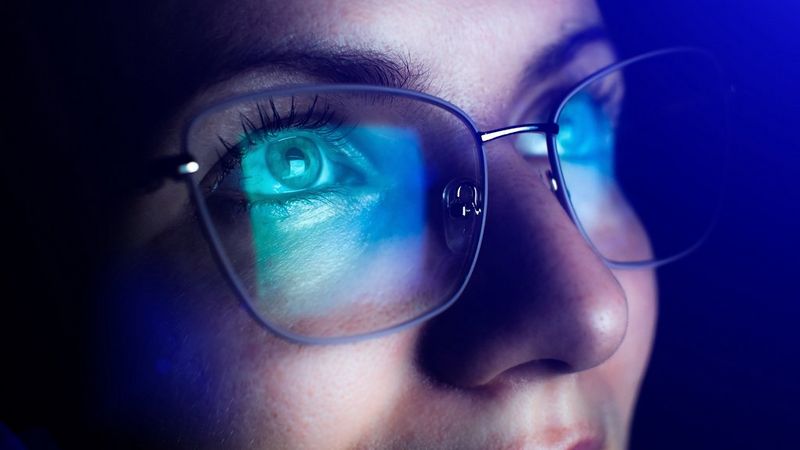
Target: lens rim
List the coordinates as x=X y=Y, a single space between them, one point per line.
x=217 y=249
x=560 y=189
x=558 y=174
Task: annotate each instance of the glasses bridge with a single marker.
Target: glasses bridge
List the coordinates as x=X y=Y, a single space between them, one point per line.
x=547 y=128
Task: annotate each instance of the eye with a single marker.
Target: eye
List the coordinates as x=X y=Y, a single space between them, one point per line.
x=288 y=159
x=291 y=162
x=587 y=124
x=586 y=130
x=585 y=145
x=585 y=134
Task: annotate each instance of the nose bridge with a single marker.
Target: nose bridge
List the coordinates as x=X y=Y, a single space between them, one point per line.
x=535 y=149
x=540 y=292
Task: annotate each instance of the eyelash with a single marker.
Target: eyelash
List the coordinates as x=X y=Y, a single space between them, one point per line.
x=270 y=121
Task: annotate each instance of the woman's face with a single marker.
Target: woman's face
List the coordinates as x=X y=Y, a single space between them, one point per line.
x=546 y=347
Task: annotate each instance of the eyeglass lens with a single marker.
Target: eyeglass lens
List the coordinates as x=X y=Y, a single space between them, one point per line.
x=343 y=212
x=644 y=147
x=346 y=211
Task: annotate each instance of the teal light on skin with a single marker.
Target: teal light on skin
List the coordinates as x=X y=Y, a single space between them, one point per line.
x=323 y=205
x=585 y=145
x=586 y=134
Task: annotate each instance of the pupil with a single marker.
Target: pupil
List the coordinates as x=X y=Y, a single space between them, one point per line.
x=296 y=163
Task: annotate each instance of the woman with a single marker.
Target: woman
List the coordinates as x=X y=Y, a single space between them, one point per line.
x=538 y=341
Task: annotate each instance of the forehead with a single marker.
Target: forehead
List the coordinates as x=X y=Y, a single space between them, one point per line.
x=412 y=23
x=471 y=50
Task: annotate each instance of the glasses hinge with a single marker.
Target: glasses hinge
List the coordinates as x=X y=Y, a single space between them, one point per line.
x=174 y=167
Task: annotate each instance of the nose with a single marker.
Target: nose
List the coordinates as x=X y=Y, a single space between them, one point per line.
x=539 y=297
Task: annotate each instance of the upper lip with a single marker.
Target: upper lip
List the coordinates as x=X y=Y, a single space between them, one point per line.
x=517 y=414
x=555 y=439
x=592 y=443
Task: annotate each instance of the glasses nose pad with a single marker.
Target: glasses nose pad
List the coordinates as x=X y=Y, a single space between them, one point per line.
x=463 y=208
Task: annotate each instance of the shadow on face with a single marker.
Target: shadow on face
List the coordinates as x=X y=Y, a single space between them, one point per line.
x=545 y=346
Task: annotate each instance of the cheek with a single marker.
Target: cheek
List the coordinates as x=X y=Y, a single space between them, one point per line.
x=312 y=397
x=207 y=371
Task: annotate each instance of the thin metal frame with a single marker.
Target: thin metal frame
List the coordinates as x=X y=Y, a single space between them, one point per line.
x=555 y=162
x=185 y=165
x=222 y=258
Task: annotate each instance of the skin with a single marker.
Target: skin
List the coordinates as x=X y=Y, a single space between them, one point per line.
x=546 y=348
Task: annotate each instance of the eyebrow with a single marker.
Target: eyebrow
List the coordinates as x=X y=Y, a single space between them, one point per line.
x=341 y=64
x=335 y=64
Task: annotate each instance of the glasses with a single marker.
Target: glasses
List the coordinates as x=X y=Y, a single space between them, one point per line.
x=343 y=212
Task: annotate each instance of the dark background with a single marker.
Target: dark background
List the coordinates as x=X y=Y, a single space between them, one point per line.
x=725 y=368
x=725 y=371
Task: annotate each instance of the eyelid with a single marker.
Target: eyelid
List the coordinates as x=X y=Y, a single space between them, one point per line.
x=250 y=122
x=541 y=107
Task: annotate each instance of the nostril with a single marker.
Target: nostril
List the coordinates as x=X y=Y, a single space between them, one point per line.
x=555 y=366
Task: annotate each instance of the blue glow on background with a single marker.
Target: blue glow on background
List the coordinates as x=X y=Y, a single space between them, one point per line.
x=726 y=360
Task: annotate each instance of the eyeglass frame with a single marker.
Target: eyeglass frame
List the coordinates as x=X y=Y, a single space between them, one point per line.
x=181 y=167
